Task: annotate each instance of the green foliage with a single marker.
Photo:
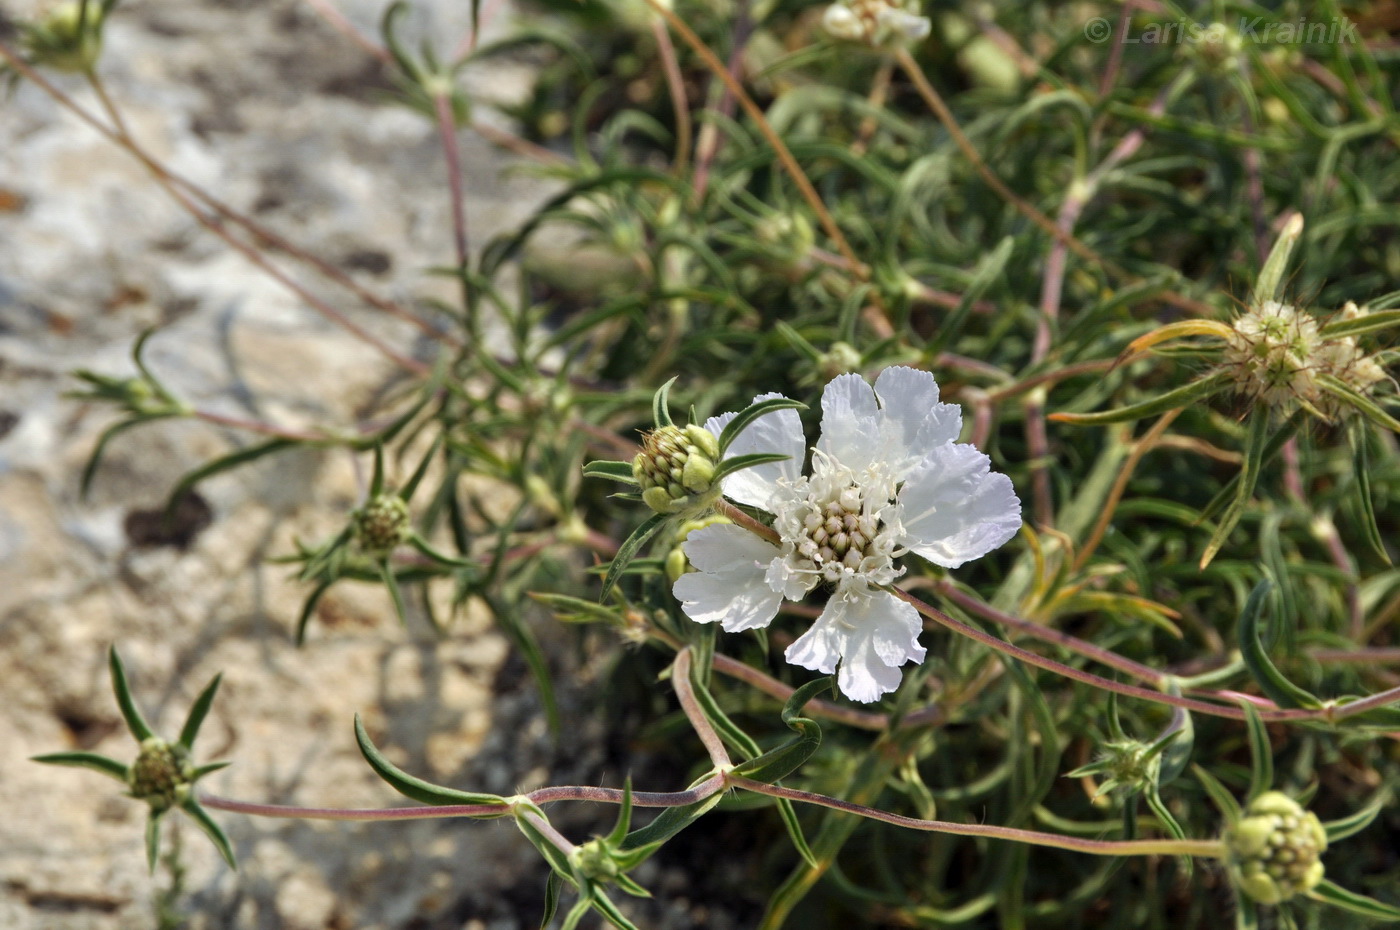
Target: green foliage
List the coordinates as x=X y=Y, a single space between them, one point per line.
x=1142 y=271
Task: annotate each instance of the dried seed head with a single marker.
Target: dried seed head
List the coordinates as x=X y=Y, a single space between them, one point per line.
x=1272 y=354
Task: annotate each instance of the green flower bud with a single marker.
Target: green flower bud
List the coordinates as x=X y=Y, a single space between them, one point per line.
x=676 y=562
x=382 y=524
x=595 y=860
x=67 y=39
x=161 y=775
x=1276 y=849
x=676 y=468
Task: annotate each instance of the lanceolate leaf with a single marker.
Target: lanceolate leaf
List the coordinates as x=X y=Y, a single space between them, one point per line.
x=1255 y=445
x=1256 y=657
x=85 y=760
x=1334 y=894
x=1183 y=396
x=227 y=462
x=211 y=829
x=613 y=471
x=778 y=762
x=660 y=409
x=744 y=417
x=416 y=788
x=198 y=710
x=738 y=462
x=134 y=721
x=628 y=550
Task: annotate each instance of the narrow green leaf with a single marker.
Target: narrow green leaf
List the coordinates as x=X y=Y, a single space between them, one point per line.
x=670 y=822
x=784 y=759
x=137 y=724
x=628 y=551
x=209 y=768
x=576 y=914
x=612 y=471
x=198 y=710
x=1275 y=445
x=604 y=905
x=744 y=417
x=153 y=841
x=524 y=641
x=85 y=760
x=1372 y=322
x=1255 y=445
x=1184 y=396
x=211 y=829
x=1256 y=657
x=988 y=271
x=794 y=831
x=660 y=408
x=1261 y=753
x=624 y=817
x=95 y=459
x=1355 y=823
x=416 y=788
x=1180 y=739
x=1359 y=402
x=739 y=462
x=1331 y=893
x=308 y=608
x=376 y=480
x=557 y=859
x=227 y=462
x=1169 y=823
x=1266 y=286
x=1220 y=795
x=406 y=492
x=552 y=888
x=391 y=584
x=1361 y=468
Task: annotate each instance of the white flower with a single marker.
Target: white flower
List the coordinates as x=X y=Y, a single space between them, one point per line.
x=887 y=478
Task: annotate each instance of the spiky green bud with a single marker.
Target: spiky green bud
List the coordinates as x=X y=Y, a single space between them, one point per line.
x=676 y=468
x=382 y=524
x=161 y=775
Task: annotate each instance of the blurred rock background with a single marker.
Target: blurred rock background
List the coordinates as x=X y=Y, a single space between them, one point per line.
x=276 y=113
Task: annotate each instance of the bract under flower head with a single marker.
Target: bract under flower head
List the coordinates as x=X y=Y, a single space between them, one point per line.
x=886 y=479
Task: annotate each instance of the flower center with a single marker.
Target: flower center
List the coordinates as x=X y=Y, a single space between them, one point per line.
x=836 y=525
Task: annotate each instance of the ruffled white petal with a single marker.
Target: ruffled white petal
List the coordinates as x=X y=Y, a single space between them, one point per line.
x=954 y=509
x=730 y=587
x=912 y=420
x=850 y=422
x=779 y=431
x=870 y=636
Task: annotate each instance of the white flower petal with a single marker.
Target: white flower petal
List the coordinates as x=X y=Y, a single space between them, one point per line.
x=871 y=637
x=734 y=601
x=954 y=509
x=730 y=588
x=779 y=431
x=912 y=421
x=722 y=547
x=864 y=677
x=793 y=585
x=820 y=647
x=850 y=422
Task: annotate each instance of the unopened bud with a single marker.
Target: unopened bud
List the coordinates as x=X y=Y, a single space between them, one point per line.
x=161 y=775
x=1276 y=849
x=382 y=524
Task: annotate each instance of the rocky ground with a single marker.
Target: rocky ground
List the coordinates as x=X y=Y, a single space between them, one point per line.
x=264 y=104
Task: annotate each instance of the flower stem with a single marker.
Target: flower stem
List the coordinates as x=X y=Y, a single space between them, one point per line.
x=1211 y=849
